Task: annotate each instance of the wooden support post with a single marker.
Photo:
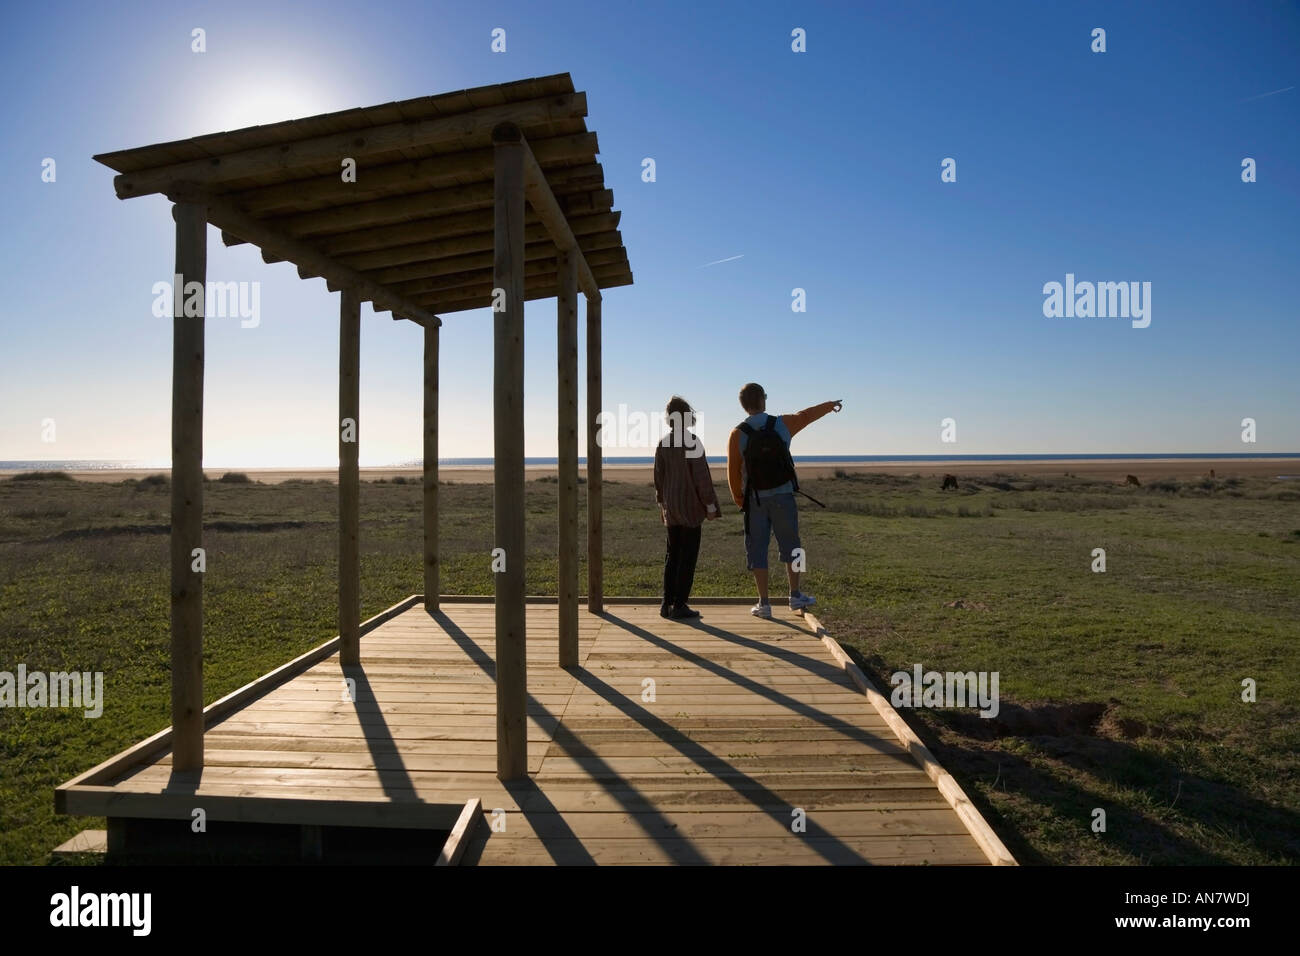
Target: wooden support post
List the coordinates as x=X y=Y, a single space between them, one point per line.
x=567 y=439
x=187 y=488
x=508 y=452
x=349 y=479
x=595 y=507
x=117 y=837
x=431 y=577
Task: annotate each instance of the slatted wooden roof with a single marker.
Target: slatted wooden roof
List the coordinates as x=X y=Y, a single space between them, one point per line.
x=414 y=232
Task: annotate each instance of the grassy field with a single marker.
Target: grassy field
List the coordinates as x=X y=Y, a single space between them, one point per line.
x=1120 y=690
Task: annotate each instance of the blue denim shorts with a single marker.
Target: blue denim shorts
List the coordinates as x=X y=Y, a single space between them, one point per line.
x=777 y=513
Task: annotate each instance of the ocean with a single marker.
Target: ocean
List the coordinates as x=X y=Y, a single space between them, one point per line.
x=119 y=465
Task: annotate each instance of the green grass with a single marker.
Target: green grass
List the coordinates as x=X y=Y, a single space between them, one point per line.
x=1202 y=589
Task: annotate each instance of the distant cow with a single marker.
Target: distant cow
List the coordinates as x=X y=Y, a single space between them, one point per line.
x=1132 y=480
x=949 y=481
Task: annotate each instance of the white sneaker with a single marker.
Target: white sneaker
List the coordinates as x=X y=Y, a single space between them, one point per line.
x=799 y=600
x=761 y=610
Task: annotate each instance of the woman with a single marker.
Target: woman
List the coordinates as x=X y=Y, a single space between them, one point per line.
x=684 y=491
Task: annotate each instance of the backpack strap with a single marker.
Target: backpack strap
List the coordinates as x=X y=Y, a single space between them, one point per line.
x=745 y=489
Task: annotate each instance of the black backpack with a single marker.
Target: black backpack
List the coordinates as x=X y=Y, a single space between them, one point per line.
x=767 y=459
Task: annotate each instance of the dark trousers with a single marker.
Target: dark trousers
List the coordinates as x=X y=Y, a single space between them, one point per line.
x=679 y=564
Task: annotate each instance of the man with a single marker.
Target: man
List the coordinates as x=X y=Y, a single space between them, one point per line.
x=684 y=490
x=760 y=474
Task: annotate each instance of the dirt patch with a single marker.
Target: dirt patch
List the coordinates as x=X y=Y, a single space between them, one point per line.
x=1085 y=719
x=1042 y=720
x=964 y=605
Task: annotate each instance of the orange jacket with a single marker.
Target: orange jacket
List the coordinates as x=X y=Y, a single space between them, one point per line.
x=735 y=463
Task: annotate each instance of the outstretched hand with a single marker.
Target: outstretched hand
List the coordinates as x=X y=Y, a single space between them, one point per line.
x=839 y=403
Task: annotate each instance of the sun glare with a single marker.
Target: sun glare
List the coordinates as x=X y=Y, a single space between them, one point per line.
x=273 y=99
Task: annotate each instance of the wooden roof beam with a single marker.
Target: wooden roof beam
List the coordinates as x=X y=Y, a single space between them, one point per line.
x=584 y=227
x=473 y=126
x=369 y=214
x=431 y=172
x=536 y=286
x=225 y=216
x=544 y=248
x=544 y=203
x=426 y=230
x=540 y=263
x=531 y=294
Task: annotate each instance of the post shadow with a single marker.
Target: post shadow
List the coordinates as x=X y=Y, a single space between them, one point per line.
x=683 y=850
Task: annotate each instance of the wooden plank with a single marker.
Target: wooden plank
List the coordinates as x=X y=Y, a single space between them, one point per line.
x=394 y=691
x=447 y=229
x=724 y=747
x=286 y=159
x=556 y=153
x=283 y=809
x=579 y=198
x=445 y=281
x=873 y=850
x=378 y=713
x=403 y=762
x=603 y=767
x=87 y=841
x=408 y=243
x=356 y=744
x=187 y=487
x=773 y=825
x=356 y=120
x=461 y=834
x=508 y=459
x=485 y=717
x=861 y=790
x=257 y=731
x=535 y=287
x=755 y=786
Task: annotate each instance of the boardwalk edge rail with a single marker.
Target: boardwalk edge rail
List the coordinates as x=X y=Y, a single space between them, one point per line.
x=116 y=765
x=988 y=841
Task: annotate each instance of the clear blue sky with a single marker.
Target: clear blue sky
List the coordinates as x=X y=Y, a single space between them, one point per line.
x=820 y=169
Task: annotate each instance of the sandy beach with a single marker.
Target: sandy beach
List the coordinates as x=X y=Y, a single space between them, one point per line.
x=1112 y=469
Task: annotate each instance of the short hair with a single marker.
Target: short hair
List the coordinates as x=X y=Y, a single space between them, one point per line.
x=751 y=395
x=678 y=405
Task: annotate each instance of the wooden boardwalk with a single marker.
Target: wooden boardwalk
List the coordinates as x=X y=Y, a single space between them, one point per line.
x=703 y=742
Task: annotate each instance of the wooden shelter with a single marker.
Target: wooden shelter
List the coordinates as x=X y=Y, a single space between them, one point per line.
x=487 y=197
